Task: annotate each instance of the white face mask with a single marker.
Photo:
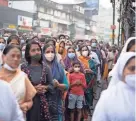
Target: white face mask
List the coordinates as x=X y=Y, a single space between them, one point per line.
x=85 y=53
x=6 y=38
x=130 y=80
x=76 y=69
x=89 y=47
x=50 y=56
x=6 y=66
x=67 y=47
x=23 y=54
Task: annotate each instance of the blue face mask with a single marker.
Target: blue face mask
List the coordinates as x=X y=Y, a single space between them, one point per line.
x=71 y=55
x=2 y=46
x=22 y=41
x=94 y=44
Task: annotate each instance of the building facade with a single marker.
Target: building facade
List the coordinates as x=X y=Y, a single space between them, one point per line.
x=104 y=22
x=13 y=20
x=52 y=19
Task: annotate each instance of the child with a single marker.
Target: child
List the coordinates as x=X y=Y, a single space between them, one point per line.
x=77 y=84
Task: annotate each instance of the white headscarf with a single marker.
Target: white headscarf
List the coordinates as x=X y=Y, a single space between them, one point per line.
x=124 y=50
x=117 y=75
x=118 y=102
x=126 y=44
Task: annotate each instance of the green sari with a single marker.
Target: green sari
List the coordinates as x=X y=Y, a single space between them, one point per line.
x=90 y=80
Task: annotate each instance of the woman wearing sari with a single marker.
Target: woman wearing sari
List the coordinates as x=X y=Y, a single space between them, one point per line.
x=60 y=83
x=130 y=46
x=10 y=110
x=69 y=43
x=18 y=80
x=117 y=103
x=70 y=58
x=59 y=57
x=40 y=76
x=60 y=49
x=90 y=73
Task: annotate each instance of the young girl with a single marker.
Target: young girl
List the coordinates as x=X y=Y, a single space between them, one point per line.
x=77 y=84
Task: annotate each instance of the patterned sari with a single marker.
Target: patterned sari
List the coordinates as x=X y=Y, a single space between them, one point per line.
x=20 y=84
x=90 y=78
x=40 y=109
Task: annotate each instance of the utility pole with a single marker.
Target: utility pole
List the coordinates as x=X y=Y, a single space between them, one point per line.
x=113 y=31
x=119 y=24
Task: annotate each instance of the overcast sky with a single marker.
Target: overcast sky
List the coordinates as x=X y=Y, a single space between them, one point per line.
x=105 y=3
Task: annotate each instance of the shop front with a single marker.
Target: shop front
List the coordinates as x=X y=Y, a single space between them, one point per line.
x=13 y=20
x=24 y=24
x=46 y=31
x=8 y=28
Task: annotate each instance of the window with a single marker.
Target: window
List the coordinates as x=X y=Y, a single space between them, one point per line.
x=63 y=15
x=55 y=13
x=41 y=9
x=45 y=9
x=50 y=11
x=59 y=7
x=68 y=17
x=58 y=14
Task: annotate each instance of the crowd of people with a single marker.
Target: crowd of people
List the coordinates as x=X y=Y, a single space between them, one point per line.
x=56 y=79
